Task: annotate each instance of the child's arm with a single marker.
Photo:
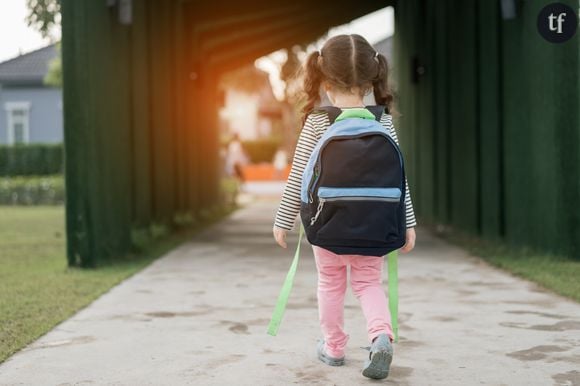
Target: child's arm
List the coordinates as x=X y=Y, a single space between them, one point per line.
x=290 y=203
x=387 y=121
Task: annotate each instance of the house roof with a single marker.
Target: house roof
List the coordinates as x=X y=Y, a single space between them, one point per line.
x=28 y=69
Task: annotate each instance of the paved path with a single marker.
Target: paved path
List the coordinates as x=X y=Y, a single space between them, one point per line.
x=198 y=316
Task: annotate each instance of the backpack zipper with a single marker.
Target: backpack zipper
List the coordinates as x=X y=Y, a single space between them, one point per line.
x=355 y=194
x=361 y=198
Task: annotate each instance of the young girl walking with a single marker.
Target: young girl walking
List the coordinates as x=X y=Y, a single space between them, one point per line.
x=347 y=68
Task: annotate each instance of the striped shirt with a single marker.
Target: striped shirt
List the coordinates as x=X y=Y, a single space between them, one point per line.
x=314 y=127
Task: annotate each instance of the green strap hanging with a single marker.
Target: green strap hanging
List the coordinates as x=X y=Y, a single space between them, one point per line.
x=285 y=291
x=394 y=292
x=287 y=288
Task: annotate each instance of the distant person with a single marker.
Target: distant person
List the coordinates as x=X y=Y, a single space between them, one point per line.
x=280 y=163
x=223 y=156
x=236 y=158
x=348 y=68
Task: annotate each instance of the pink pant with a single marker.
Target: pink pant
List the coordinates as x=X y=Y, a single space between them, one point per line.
x=366 y=283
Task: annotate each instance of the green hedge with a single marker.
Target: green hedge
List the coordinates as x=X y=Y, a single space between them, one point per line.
x=262 y=150
x=31 y=160
x=37 y=190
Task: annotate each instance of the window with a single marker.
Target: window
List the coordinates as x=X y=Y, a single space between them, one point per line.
x=17 y=115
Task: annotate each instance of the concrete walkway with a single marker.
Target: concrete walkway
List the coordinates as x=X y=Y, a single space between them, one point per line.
x=198 y=316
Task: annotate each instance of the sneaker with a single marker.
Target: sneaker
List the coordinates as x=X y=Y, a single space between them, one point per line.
x=324 y=357
x=380 y=358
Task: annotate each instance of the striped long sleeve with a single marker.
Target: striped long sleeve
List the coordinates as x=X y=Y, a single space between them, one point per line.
x=314 y=127
x=290 y=204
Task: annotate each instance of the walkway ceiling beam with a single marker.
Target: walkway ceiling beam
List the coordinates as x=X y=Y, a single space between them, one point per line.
x=250 y=44
x=266 y=29
x=320 y=17
x=223 y=25
x=263 y=47
x=241 y=33
x=220 y=9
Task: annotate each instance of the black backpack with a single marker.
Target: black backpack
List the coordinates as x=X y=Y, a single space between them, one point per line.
x=353 y=187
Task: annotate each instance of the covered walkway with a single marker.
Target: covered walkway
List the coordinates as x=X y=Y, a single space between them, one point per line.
x=198 y=316
x=490 y=130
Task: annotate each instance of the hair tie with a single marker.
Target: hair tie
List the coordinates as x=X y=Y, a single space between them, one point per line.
x=376 y=54
x=319 y=52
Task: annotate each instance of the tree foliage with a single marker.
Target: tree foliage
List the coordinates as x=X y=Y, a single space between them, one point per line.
x=43 y=15
x=54 y=75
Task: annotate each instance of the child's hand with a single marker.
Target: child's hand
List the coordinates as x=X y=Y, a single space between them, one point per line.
x=410 y=241
x=280 y=236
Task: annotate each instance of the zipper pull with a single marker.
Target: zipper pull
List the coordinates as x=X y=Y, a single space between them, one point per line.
x=311 y=185
x=318 y=210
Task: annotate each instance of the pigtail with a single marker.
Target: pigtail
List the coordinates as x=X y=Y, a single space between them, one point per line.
x=381 y=89
x=312 y=82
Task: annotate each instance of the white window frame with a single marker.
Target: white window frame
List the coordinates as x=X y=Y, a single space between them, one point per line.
x=10 y=107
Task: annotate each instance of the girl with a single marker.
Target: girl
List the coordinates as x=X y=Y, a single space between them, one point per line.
x=348 y=68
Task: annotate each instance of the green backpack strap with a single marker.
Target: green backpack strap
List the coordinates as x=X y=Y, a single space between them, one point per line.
x=394 y=292
x=285 y=291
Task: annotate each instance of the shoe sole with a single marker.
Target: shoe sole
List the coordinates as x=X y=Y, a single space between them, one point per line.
x=379 y=365
x=331 y=362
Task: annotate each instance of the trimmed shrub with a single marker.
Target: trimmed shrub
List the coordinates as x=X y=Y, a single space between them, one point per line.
x=261 y=150
x=31 y=160
x=37 y=190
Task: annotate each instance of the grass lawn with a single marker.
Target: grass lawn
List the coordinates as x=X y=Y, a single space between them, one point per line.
x=557 y=273
x=37 y=289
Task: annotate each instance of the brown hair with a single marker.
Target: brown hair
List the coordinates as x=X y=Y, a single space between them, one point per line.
x=346 y=61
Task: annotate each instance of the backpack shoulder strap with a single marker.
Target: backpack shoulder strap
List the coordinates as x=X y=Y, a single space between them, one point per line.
x=377 y=111
x=332 y=111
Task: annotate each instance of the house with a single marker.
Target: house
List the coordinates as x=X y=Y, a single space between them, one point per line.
x=30 y=111
x=250 y=108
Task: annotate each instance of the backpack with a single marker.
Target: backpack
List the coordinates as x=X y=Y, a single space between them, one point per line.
x=353 y=186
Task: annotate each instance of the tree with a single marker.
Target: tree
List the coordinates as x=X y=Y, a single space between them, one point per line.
x=291 y=73
x=43 y=15
x=54 y=75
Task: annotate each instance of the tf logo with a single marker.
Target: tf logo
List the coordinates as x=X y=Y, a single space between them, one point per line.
x=557 y=22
